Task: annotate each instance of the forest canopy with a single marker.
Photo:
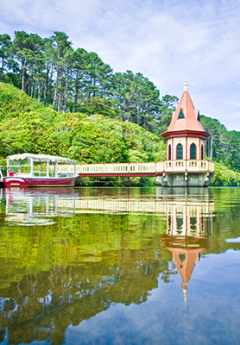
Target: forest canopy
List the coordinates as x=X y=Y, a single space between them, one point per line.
x=51 y=71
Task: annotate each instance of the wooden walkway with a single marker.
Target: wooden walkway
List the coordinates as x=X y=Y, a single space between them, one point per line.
x=140 y=169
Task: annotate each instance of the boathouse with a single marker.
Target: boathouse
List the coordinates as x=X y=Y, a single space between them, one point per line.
x=186 y=141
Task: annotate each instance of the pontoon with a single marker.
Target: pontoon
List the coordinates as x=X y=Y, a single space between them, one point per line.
x=33 y=170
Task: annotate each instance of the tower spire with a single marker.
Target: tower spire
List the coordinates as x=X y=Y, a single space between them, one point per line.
x=186 y=84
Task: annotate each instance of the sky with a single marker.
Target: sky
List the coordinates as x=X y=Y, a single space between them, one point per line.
x=154 y=37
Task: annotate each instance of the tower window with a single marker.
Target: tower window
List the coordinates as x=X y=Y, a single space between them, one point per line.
x=182 y=257
x=179 y=152
x=169 y=152
x=193 y=151
x=181 y=115
x=202 y=152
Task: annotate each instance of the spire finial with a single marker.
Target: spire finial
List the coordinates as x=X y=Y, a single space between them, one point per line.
x=186 y=84
x=184 y=286
x=185 y=295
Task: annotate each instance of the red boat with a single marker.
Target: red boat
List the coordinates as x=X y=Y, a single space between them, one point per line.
x=33 y=170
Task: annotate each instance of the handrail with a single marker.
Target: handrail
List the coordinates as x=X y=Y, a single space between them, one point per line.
x=151 y=168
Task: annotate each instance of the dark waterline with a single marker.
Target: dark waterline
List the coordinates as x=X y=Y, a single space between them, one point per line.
x=120 y=266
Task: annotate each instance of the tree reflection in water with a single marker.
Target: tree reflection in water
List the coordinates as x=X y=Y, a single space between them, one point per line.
x=41 y=306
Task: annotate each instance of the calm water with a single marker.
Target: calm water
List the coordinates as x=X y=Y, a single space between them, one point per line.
x=120 y=266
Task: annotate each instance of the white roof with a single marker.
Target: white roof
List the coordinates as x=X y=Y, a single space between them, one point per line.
x=40 y=158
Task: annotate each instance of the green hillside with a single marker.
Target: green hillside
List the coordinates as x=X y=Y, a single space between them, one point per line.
x=29 y=126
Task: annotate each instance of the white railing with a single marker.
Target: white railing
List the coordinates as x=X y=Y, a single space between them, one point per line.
x=115 y=168
x=189 y=165
x=172 y=166
x=157 y=168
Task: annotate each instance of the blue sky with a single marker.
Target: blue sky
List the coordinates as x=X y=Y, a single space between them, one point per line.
x=154 y=37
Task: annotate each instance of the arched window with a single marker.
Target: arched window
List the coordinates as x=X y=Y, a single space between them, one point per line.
x=169 y=152
x=179 y=151
x=193 y=153
x=202 y=153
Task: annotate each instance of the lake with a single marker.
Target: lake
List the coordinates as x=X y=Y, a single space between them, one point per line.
x=120 y=266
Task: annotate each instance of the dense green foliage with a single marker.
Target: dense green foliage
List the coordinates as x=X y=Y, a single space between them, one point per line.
x=50 y=70
x=225 y=177
x=29 y=126
x=225 y=146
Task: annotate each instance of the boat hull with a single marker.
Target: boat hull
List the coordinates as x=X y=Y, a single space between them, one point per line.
x=17 y=181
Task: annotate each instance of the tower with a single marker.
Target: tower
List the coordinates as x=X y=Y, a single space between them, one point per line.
x=186 y=138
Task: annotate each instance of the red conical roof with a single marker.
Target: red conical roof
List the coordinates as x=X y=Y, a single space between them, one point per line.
x=185 y=267
x=185 y=120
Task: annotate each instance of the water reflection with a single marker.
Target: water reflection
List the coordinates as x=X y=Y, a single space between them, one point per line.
x=88 y=249
x=189 y=226
x=35 y=202
x=28 y=207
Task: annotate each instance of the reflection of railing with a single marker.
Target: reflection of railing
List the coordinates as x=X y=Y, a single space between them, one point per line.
x=187 y=219
x=158 y=168
x=183 y=217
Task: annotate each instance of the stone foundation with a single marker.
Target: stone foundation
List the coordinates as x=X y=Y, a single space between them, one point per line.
x=185 y=180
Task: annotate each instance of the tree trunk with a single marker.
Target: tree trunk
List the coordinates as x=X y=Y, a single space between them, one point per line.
x=50 y=86
x=66 y=91
x=39 y=91
x=46 y=87
x=55 y=100
x=76 y=92
x=32 y=87
x=75 y=99
x=60 y=91
x=2 y=68
x=211 y=149
x=23 y=74
x=138 y=114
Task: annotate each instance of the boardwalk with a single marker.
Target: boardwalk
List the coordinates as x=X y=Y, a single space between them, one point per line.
x=141 y=169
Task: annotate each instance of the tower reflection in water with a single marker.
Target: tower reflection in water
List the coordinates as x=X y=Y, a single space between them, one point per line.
x=189 y=227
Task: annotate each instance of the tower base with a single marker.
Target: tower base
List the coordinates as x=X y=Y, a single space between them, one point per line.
x=185 y=180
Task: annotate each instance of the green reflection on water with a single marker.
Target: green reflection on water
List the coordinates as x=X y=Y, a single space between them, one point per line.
x=66 y=255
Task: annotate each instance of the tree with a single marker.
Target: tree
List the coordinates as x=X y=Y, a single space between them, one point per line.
x=79 y=75
x=25 y=47
x=62 y=48
x=5 y=44
x=137 y=99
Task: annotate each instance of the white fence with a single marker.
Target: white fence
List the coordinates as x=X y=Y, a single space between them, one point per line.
x=156 y=168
